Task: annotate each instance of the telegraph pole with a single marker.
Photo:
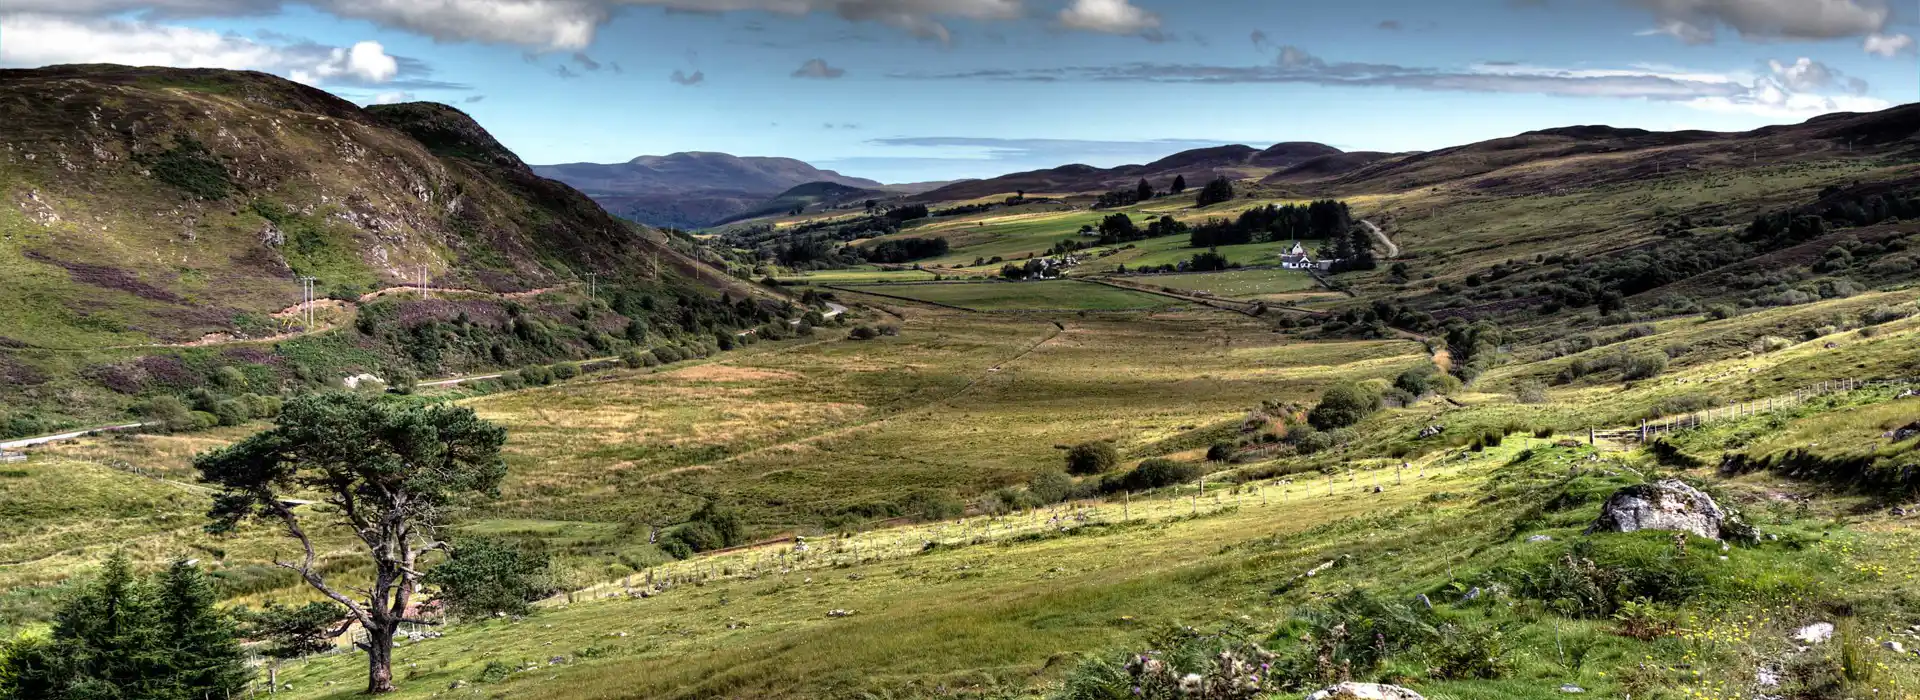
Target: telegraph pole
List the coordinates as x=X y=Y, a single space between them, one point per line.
x=593 y=288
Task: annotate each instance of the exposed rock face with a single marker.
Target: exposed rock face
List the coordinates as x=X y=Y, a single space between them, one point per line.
x=1365 y=691
x=1667 y=505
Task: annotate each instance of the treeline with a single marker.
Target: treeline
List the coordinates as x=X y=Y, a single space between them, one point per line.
x=1322 y=220
x=1119 y=228
x=905 y=250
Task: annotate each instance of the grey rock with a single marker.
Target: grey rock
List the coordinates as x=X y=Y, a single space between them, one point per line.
x=1365 y=691
x=1894 y=646
x=1571 y=688
x=1540 y=538
x=1669 y=505
x=1816 y=633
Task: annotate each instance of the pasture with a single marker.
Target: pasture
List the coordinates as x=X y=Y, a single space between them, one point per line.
x=1236 y=284
x=1044 y=295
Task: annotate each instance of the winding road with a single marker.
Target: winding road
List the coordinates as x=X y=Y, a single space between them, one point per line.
x=1393 y=250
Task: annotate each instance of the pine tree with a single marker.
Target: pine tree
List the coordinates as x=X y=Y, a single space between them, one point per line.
x=1179 y=184
x=201 y=646
x=107 y=635
x=121 y=637
x=1144 y=191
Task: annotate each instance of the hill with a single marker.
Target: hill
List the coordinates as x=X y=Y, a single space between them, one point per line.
x=691 y=190
x=1197 y=166
x=160 y=213
x=814 y=196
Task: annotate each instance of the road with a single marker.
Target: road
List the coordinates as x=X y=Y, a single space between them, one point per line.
x=1393 y=250
x=44 y=439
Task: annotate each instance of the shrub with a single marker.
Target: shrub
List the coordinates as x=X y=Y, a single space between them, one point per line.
x=563 y=371
x=1529 y=392
x=635 y=359
x=863 y=333
x=401 y=381
x=929 y=506
x=1344 y=404
x=1151 y=474
x=1096 y=457
x=1771 y=343
x=668 y=354
x=1643 y=366
x=1220 y=452
x=487 y=577
x=1720 y=312
x=1051 y=486
x=1417 y=380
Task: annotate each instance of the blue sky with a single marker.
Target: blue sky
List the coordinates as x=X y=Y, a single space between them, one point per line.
x=909 y=90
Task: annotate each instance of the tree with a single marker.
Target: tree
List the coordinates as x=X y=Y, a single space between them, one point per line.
x=199 y=640
x=1095 y=457
x=391 y=474
x=291 y=633
x=122 y=637
x=1179 y=185
x=1143 y=191
x=1217 y=191
x=1342 y=405
x=486 y=577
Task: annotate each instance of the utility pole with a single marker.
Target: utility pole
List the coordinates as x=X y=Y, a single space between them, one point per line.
x=423 y=280
x=593 y=288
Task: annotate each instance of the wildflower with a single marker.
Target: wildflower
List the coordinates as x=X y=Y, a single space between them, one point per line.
x=1190 y=684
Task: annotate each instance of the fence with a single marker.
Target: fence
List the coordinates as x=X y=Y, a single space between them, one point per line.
x=12 y=457
x=1650 y=429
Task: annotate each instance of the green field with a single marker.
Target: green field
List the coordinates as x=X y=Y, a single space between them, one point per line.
x=858 y=275
x=1235 y=284
x=1048 y=295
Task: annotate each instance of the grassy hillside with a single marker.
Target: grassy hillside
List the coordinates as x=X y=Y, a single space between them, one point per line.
x=157 y=222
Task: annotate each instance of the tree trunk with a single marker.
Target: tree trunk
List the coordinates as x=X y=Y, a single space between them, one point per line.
x=379 y=659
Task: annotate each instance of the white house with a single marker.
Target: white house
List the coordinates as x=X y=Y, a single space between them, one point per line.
x=1296 y=258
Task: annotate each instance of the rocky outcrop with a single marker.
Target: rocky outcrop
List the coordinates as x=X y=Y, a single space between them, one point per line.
x=1671 y=505
x=1365 y=691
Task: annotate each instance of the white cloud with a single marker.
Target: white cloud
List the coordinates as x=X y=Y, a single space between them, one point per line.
x=366 y=62
x=40 y=41
x=557 y=25
x=1699 y=21
x=1803 y=88
x=1888 y=45
x=1108 y=17
x=395 y=97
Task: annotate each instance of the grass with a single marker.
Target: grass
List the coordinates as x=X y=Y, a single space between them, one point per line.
x=1237 y=284
x=858 y=275
x=1048 y=295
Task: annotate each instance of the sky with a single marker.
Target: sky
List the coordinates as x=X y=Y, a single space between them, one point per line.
x=919 y=90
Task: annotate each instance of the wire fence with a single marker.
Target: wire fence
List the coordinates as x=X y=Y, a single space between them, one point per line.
x=1651 y=429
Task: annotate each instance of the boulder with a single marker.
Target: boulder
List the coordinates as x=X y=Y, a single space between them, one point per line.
x=1669 y=505
x=1365 y=691
x=1816 y=633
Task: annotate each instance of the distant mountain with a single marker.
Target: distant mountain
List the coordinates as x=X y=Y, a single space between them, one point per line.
x=691 y=190
x=811 y=196
x=1197 y=166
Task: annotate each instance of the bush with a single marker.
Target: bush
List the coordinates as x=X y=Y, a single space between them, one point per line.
x=930 y=506
x=1529 y=392
x=1771 y=343
x=1343 y=405
x=1151 y=474
x=401 y=381
x=563 y=371
x=863 y=333
x=1643 y=366
x=1051 y=486
x=1096 y=457
x=487 y=577
x=1220 y=452
x=1417 y=380
x=668 y=354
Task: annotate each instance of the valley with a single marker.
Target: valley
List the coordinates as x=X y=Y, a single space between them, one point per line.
x=1002 y=438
